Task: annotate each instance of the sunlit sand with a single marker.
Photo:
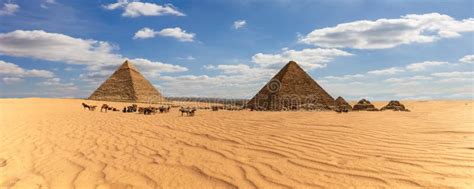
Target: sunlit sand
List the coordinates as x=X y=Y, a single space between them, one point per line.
x=55 y=143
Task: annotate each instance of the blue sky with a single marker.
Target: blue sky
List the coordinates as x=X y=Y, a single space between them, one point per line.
x=380 y=50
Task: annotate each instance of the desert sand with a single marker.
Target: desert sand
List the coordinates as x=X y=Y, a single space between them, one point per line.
x=54 y=143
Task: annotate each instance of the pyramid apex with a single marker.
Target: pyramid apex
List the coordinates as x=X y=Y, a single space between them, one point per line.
x=340 y=100
x=293 y=65
x=127 y=65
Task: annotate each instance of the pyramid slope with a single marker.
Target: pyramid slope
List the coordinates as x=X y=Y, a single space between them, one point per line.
x=126 y=84
x=291 y=87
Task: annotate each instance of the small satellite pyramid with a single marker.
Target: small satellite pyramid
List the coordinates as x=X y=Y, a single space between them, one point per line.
x=341 y=102
x=126 y=84
x=364 y=105
x=290 y=89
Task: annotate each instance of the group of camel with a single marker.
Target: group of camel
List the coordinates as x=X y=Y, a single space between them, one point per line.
x=104 y=107
x=227 y=107
x=153 y=110
x=188 y=111
x=141 y=110
x=340 y=107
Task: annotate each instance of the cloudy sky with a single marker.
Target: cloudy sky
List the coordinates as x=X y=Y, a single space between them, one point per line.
x=213 y=48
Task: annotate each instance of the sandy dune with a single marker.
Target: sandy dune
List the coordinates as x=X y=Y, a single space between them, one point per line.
x=54 y=143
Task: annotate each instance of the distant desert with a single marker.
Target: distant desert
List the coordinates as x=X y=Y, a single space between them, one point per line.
x=55 y=143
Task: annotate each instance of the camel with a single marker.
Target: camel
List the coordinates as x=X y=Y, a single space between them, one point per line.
x=132 y=108
x=188 y=111
x=92 y=108
x=104 y=107
x=147 y=110
x=89 y=107
x=84 y=105
x=164 y=109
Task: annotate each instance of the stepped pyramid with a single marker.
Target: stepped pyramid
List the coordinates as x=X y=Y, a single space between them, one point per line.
x=126 y=84
x=341 y=102
x=290 y=89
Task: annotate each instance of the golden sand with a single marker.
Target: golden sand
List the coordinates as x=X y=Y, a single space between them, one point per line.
x=54 y=143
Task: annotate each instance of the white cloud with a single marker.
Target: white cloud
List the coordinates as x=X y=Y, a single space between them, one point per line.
x=56 y=47
x=177 y=33
x=239 y=24
x=190 y=58
x=232 y=81
x=307 y=58
x=453 y=74
x=118 y=4
x=97 y=55
x=46 y=3
x=455 y=77
x=56 y=86
x=407 y=79
x=38 y=73
x=240 y=69
x=387 y=71
x=424 y=65
x=144 y=33
x=136 y=9
x=9 y=9
x=388 y=33
x=12 y=80
x=223 y=86
x=154 y=68
x=231 y=69
x=407 y=87
x=467 y=59
x=345 y=77
x=11 y=69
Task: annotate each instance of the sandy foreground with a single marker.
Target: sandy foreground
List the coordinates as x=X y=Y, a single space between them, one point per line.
x=54 y=143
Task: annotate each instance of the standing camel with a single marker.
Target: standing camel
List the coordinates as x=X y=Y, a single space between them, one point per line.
x=104 y=107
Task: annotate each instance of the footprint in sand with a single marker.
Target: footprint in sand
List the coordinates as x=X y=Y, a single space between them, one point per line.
x=3 y=162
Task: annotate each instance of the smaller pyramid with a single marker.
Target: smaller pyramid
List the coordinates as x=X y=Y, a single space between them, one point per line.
x=364 y=105
x=394 y=105
x=342 y=103
x=127 y=84
x=291 y=89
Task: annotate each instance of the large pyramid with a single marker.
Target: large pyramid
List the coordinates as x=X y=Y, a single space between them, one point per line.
x=290 y=89
x=126 y=84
